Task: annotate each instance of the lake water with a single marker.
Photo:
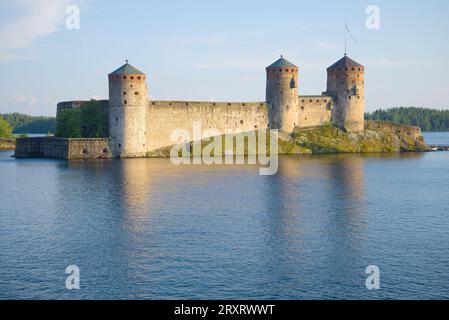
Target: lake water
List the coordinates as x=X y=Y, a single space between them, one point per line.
x=437 y=138
x=146 y=229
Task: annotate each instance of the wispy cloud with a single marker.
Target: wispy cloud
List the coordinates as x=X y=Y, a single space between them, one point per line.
x=214 y=39
x=325 y=45
x=32 y=19
x=241 y=63
x=389 y=63
x=29 y=100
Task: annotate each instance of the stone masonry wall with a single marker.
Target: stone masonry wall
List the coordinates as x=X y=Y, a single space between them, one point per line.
x=165 y=116
x=62 y=148
x=395 y=128
x=314 y=111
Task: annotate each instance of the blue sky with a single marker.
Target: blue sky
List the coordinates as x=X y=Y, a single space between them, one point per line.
x=218 y=50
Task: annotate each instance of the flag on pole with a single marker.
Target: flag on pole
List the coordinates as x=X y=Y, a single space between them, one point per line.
x=350 y=34
x=347 y=31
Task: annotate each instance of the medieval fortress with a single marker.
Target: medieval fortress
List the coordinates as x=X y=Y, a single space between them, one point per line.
x=138 y=125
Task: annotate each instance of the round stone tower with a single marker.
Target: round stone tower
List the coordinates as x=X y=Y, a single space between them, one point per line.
x=282 y=95
x=127 y=112
x=346 y=84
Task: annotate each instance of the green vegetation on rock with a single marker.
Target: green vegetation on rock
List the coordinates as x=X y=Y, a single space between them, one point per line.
x=94 y=120
x=68 y=124
x=91 y=121
x=5 y=128
x=327 y=139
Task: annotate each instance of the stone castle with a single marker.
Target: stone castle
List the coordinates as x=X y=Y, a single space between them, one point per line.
x=138 y=125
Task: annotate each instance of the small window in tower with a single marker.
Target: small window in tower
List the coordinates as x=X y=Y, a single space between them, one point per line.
x=116 y=119
x=310 y=100
x=353 y=69
x=119 y=145
x=255 y=127
x=139 y=77
x=280 y=70
x=241 y=121
x=124 y=77
x=302 y=108
x=136 y=93
x=124 y=93
x=125 y=102
x=349 y=97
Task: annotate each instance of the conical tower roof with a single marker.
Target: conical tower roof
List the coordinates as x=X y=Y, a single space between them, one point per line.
x=343 y=63
x=282 y=63
x=127 y=69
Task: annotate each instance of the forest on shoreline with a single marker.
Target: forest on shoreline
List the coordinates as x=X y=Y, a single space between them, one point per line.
x=24 y=124
x=426 y=119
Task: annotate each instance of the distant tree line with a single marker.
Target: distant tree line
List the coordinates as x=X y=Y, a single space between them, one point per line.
x=22 y=123
x=426 y=119
x=90 y=121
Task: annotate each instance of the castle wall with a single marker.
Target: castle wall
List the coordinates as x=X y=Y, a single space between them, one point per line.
x=63 y=148
x=314 y=111
x=395 y=128
x=163 y=117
